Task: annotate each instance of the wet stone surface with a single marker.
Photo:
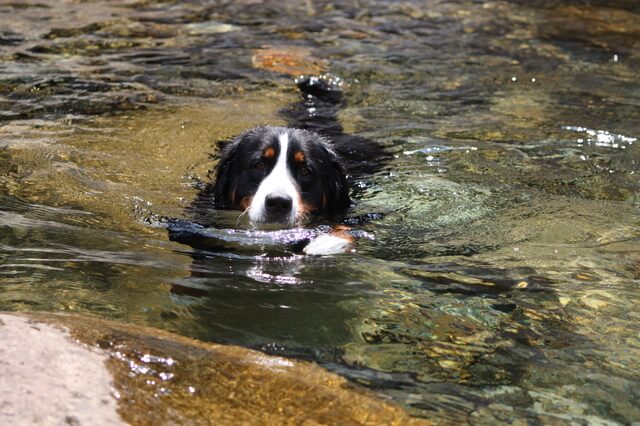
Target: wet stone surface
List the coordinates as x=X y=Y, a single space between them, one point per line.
x=49 y=379
x=500 y=276
x=55 y=368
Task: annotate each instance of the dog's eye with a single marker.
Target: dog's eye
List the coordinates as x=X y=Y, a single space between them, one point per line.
x=260 y=165
x=305 y=171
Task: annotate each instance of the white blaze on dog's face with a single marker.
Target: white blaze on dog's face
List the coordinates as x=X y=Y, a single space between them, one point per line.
x=277 y=199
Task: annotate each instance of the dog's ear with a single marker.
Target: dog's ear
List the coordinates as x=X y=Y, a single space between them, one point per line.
x=340 y=187
x=337 y=186
x=222 y=187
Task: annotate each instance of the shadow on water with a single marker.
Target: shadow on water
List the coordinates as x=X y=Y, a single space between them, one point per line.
x=501 y=283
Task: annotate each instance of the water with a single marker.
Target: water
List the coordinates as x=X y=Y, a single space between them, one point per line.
x=502 y=282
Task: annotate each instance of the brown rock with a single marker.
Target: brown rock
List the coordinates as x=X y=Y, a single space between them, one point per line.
x=161 y=378
x=292 y=60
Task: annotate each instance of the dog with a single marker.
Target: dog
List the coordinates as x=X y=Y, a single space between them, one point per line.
x=280 y=175
x=286 y=177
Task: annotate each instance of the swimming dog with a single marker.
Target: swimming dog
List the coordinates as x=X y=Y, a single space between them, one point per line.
x=280 y=175
x=285 y=176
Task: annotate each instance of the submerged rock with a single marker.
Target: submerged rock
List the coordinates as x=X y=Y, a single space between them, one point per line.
x=291 y=60
x=69 y=369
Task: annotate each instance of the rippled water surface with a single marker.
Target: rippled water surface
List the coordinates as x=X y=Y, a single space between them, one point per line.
x=503 y=281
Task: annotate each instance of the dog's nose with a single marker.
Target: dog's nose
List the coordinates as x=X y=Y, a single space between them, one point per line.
x=278 y=204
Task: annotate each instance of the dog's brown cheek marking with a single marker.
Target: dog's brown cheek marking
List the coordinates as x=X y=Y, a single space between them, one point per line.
x=269 y=152
x=307 y=207
x=299 y=157
x=245 y=203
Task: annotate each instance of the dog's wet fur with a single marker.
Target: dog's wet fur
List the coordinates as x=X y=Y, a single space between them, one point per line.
x=288 y=175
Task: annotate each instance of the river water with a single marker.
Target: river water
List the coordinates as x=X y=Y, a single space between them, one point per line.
x=502 y=282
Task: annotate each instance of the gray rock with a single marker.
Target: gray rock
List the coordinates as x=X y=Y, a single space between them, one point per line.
x=49 y=379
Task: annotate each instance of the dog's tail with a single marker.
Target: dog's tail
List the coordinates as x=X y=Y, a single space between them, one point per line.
x=325 y=88
x=323 y=97
x=318 y=111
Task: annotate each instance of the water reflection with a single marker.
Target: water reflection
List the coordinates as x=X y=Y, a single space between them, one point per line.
x=269 y=303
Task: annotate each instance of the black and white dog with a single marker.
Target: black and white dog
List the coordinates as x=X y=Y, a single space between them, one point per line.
x=284 y=176
x=280 y=175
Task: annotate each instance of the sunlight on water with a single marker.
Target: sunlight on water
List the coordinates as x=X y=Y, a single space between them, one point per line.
x=601 y=138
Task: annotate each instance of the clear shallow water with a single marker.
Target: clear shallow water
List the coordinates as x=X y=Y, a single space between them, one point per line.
x=504 y=280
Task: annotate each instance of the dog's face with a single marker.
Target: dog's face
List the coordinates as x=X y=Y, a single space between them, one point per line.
x=280 y=175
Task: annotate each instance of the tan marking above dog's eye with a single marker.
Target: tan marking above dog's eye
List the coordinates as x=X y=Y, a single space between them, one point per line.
x=299 y=156
x=269 y=152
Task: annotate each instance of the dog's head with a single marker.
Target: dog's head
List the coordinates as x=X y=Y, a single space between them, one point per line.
x=280 y=175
